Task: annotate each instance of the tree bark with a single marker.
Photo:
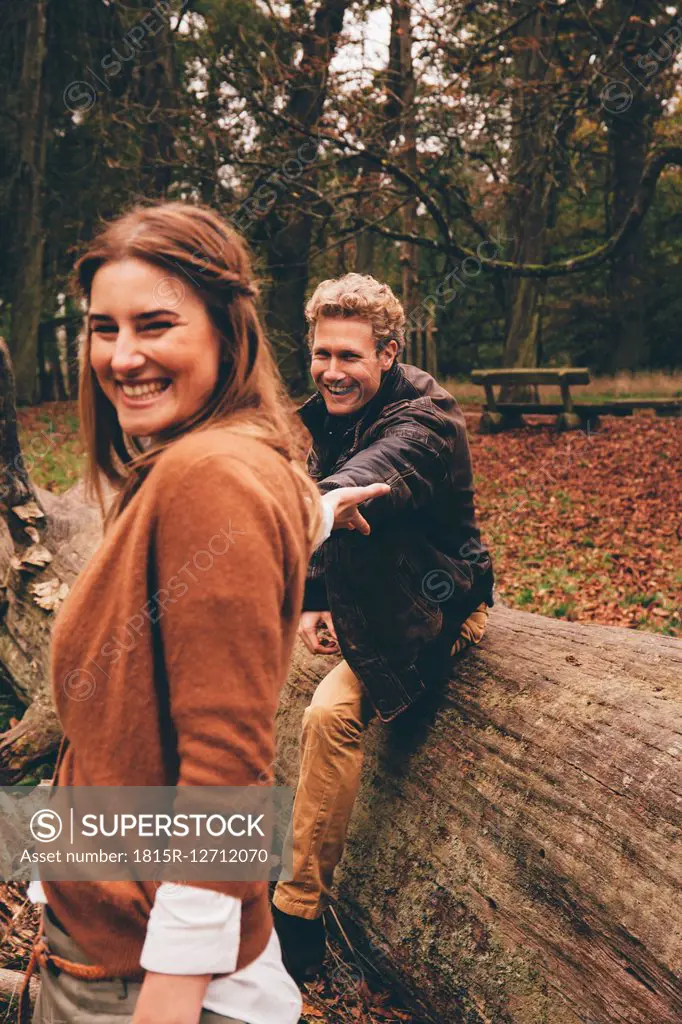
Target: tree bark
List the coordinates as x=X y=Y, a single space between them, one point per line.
x=629 y=139
x=365 y=247
x=27 y=203
x=531 y=192
x=431 y=349
x=69 y=533
x=287 y=253
x=529 y=195
x=10 y=987
x=401 y=124
x=515 y=853
x=72 y=327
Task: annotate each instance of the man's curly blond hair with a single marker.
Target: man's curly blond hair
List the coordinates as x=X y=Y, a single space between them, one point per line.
x=363 y=296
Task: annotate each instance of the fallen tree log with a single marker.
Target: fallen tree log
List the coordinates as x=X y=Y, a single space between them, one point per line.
x=515 y=853
x=45 y=540
x=10 y=987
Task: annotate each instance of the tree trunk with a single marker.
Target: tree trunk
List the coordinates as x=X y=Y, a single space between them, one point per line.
x=629 y=138
x=286 y=235
x=31 y=593
x=27 y=204
x=365 y=240
x=156 y=93
x=531 y=186
x=632 y=129
x=52 y=383
x=431 y=349
x=287 y=251
x=72 y=326
x=401 y=125
x=515 y=855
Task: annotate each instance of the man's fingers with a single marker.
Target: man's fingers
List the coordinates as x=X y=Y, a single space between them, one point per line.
x=373 y=491
x=330 y=648
x=329 y=624
x=306 y=640
x=353 y=496
x=359 y=523
x=316 y=647
x=310 y=625
x=309 y=638
x=307 y=631
x=345 y=501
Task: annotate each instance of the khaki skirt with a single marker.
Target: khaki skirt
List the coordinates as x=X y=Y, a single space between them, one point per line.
x=64 y=998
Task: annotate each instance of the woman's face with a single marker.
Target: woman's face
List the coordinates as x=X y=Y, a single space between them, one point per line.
x=154 y=349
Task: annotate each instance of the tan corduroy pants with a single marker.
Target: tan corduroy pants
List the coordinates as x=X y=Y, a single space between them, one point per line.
x=331 y=761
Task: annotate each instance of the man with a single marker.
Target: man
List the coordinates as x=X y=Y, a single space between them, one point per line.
x=398 y=603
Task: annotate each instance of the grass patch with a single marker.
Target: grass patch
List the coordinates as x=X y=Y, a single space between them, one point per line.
x=643 y=600
x=50 y=441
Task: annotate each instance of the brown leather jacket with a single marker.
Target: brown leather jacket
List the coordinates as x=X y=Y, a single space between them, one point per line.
x=399 y=596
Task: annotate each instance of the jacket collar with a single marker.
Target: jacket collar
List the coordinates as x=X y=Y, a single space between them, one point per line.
x=314 y=411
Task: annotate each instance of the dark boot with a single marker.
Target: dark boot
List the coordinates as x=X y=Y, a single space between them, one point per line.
x=303 y=943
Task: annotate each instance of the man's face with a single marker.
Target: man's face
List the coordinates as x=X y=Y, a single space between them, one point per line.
x=345 y=367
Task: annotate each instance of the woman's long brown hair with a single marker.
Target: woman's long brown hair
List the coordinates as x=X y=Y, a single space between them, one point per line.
x=197 y=247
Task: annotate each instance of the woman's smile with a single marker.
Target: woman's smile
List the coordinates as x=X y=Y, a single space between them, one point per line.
x=144 y=393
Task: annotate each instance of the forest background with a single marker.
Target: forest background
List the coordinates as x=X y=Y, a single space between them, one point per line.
x=511 y=168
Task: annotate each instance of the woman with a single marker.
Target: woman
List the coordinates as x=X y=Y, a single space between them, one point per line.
x=183 y=411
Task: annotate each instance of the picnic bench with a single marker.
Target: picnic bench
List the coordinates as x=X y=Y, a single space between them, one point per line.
x=570 y=415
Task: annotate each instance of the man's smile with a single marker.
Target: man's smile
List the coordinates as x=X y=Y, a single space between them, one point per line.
x=340 y=389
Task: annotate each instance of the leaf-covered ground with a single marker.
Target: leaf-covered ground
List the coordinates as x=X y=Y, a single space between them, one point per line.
x=584 y=527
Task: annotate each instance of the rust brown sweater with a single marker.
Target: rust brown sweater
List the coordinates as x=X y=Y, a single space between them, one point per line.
x=168 y=657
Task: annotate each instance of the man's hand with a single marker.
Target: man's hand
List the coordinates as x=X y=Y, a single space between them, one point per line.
x=308 y=626
x=170 y=998
x=345 y=501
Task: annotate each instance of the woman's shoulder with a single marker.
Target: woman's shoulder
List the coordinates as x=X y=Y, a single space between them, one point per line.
x=204 y=463
x=215 y=446
x=219 y=479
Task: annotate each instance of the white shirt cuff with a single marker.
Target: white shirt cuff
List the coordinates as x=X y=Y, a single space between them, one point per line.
x=35 y=892
x=327 y=524
x=192 y=931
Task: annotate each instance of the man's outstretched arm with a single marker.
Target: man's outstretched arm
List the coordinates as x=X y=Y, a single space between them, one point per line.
x=411 y=458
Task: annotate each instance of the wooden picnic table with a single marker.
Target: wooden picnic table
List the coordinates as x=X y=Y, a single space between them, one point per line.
x=570 y=415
